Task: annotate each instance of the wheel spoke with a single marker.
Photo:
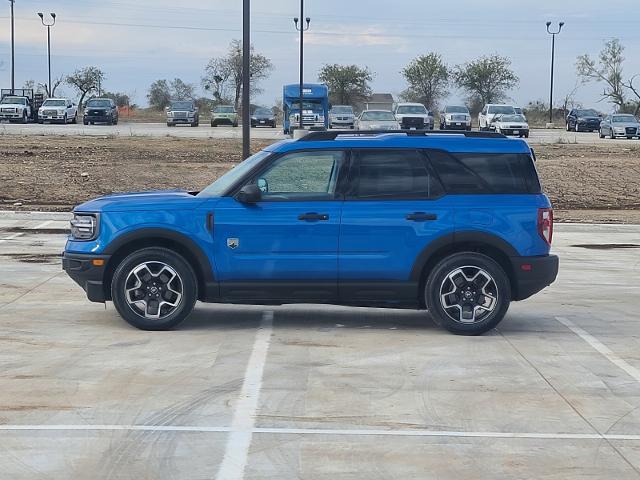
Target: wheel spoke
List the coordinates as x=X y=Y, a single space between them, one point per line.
x=153 y=290
x=468 y=294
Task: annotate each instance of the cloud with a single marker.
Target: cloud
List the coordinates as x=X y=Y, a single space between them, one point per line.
x=355 y=35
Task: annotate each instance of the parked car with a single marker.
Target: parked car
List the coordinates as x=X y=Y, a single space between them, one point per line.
x=100 y=110
x=342 y=116
x=224 y=115
x=490 y=112
x=183 y=112
x=58 y=110
x=583 y=120
x=377 y=120
x=511 y=125
x=455 y=117
x=620 y=125
x=393 y=220
x=520 y=111
x=15 y=108
x=263 y=117
x=413 y=115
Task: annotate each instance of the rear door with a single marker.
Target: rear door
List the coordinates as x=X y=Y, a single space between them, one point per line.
x=393 y=210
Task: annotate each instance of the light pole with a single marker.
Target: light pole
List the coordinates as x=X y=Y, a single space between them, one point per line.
x=553 y=56
x=246 y=77
x=48 y=25
x=302 y=28
x=13 y=67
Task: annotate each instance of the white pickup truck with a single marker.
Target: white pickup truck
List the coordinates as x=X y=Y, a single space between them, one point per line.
x=58 y=110
x=15 y=109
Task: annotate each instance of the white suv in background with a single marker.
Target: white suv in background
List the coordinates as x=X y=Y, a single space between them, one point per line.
x=58 y=110
x=490 y=112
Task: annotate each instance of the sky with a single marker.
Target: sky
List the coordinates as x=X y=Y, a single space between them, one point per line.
x=137 y=42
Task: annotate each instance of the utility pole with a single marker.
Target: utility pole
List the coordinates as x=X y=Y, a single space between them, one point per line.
x=301 y=29
x=553 y=56
x=48 y=25
x=13 y=54
x=246 y=77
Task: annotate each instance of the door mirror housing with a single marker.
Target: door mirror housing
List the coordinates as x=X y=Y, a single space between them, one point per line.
x=249 y=194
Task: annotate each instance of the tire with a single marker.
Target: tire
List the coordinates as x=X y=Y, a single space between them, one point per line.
x=600 y=133
x=214 y=124
x=568 y=127
x=25 y=119
x=84 y=122
x=75 y=119
x=629 y=138
x=577 y=128
x=154 y=266
x=235 y=124
x=469 y=266
x=65 y=120
x=115 y=122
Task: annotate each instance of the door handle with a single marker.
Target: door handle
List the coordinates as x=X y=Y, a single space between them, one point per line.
x=421 y=216
x=313 y=217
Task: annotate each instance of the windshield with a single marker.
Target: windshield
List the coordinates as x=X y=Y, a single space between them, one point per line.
x=412 y=109
x=512 y=118
x=587 y=113
x=624 y=119
x=223 y=183
x=307 y=105
x=181 y=105
x=456 y=110
x=54 y=103
x=342 y=110
x=14 y=100
x=263 y=111
x=502 y=109
x=224 y=110
x=98 y=103
x=384 y=116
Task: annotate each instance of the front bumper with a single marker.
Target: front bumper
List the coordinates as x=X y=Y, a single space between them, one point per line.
x=532 y=274
x=589 y=125
x=223 y=121
x=10 y=116
x=263 y=123
x=80 y=268
x=98 y=118
x=512 y=131
x=457 y=125
x=181 y=120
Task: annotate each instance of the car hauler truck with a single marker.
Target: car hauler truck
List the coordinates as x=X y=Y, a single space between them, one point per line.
x=315 y=107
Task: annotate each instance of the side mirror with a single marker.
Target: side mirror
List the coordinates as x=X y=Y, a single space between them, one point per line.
x=249 y=194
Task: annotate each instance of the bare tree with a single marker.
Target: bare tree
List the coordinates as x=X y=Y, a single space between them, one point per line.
x=86 y=81
x=635 y=89
x=607 y=69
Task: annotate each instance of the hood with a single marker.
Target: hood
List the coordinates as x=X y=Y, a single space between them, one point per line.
x=263 y=115
x=501 y=123
x=414 y=115
x=163 y=199
x=625 y=124
x=12 y=105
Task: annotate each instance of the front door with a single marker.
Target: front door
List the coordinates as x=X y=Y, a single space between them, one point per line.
x=284 y=247
x=394 y=209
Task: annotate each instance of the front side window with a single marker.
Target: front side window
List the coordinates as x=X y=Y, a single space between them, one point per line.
x=224 y=110
x=54 y=103
x=302 y=176
x=388 y=174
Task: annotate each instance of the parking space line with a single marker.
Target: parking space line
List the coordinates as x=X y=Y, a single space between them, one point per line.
x=244 y=417
x=632 y=371
x=324 y=431
x=16 y=235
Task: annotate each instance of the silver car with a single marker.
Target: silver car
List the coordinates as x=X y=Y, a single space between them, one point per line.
x=620 y=125
x=341 y=116
x=377 y=120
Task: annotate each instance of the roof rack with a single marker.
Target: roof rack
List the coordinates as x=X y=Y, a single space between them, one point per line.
x=320 y=136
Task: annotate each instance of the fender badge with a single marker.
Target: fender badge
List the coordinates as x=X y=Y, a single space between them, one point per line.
x=233 y=243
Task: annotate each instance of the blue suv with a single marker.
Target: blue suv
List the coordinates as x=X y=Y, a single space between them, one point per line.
x=455 y=223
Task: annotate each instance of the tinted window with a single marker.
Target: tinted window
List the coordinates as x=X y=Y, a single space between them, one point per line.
x=394 y=173
x=373 y=115
x=341 y=109
x=224 y=110
x=404 y=109
x=479 y=173
x=454 y=109
x=503 y=109
x=182 y=105
x=99 y=103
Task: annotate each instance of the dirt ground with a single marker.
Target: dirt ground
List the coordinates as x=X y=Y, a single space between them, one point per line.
x=585 y=182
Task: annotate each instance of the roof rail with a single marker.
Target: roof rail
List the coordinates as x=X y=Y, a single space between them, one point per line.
x=320 y=136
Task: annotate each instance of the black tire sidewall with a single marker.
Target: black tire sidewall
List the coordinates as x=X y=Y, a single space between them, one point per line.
x=175 y=261
x=448 y=264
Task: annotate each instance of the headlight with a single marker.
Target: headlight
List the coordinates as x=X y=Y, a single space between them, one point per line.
x=580 y=119
x=254 y=118
x=169 y=114
x=84 y=227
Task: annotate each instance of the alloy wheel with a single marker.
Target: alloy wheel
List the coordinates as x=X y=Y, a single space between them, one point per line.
x=468 y=294
x=153 y=290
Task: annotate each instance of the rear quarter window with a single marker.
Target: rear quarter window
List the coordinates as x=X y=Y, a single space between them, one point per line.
x=485 y=173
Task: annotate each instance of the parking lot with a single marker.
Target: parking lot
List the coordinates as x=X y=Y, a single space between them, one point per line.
x=320 y=392
x=538 y=136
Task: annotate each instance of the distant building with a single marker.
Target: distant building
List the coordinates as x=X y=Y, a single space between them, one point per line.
x=379 y=101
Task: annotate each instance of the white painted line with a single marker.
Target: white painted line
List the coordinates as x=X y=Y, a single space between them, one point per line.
x=42 y=225
x=328 y=432
x=244 y=418
x=16 y=235
x=600 y=347
x=11 y=237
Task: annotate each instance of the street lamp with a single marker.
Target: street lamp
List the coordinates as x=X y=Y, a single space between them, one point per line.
x=13 y=67
x=301 y=28
x=246 y=78
x=48 y=25
x=553 y=55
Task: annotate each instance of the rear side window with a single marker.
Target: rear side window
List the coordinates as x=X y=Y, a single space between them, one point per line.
x=393 y=174
x=485 y=173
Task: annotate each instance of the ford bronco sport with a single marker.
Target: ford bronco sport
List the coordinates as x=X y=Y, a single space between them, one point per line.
x=452 y=222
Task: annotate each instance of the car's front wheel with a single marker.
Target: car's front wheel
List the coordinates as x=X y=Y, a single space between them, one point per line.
x=154 y=289
x=467 y=293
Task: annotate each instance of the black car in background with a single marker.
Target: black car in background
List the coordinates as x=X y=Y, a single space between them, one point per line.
x=263 y=117
x=100 y=110
x=583 y=120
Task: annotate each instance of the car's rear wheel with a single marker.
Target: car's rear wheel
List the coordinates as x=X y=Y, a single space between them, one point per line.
x=154 y=289
x=568 y=127
x=75 y=119
x=467 y=293
x=600 y=134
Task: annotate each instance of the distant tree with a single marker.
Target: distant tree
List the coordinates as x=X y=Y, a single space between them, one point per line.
x=486 y=80
x=608 y=70
x=348 y=84
x=120 y=99
x=56 y=83
x=216 y=79
x=159 y=95
x=427 y=77
x=86 y=81
x=635 y=90
x=181 y=90
x=226 y=72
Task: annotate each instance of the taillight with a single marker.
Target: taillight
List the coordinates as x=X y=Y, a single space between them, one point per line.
x=545 y=224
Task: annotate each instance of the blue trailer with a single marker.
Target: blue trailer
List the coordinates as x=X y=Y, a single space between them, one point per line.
x=315 y=106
